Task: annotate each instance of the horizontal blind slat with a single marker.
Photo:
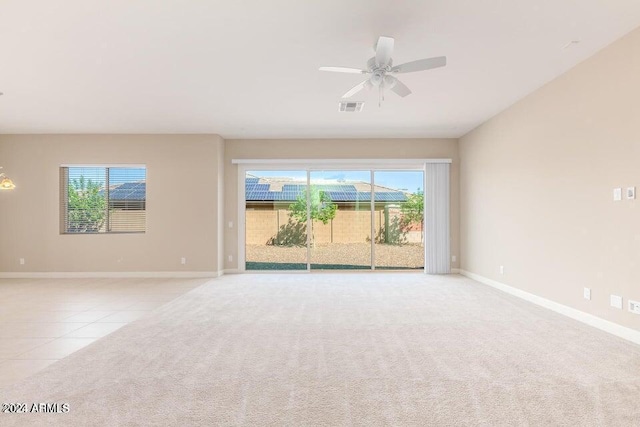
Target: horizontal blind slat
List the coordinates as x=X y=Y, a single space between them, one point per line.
x=103 y=200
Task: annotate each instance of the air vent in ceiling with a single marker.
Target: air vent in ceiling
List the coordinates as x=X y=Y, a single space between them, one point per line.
x=350 y=107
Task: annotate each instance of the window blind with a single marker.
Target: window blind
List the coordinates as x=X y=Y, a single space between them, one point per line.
x=437 y=227
x=98 y=199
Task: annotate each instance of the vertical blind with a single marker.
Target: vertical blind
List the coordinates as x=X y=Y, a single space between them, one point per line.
x=103 y=199
x=437 y=227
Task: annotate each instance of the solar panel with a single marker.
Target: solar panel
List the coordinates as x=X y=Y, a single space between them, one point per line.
x=293 y=187
x=291 y=192
x=259 y=187
x=139 y=195
x=255 y=191
x=390 y=196
x=335 y=187
x=337 y=196
x=271 y=196
x=127 y=191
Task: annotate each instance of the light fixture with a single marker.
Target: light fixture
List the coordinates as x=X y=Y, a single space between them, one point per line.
x=6 y=183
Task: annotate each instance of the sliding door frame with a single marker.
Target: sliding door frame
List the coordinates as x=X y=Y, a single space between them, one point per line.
x=311 y=165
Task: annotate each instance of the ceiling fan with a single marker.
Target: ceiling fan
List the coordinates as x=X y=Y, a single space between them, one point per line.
x=381 y=70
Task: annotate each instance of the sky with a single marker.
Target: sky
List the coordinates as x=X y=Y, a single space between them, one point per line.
x=116 y=175
x=398 y=180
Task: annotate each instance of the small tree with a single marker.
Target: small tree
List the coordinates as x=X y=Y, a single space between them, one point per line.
x=86 y=210
x=322 y=208
x=413 y=211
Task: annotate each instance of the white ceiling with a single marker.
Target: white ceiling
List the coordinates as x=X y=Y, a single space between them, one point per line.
x=249 y=68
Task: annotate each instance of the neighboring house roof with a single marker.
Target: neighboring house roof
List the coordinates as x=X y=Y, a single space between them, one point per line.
x=274 y=190
x=128 y=191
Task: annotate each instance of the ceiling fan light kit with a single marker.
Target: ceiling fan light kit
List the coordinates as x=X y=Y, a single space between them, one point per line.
x=381 y=70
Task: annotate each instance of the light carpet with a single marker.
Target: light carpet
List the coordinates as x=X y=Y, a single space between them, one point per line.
x=343 y=349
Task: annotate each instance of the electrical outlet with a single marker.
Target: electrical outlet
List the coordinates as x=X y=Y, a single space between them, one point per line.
x=453 y=258
x=634 y=306
x=587 y=293
x=21 y=261
x=230 y=258
x=615 y=301
x=502 y=269
x=230 y=224
x=183 y=260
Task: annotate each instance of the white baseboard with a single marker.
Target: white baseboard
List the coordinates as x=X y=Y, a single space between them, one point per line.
x=238 y=271
x=589 y=319
x=111 y=274
x=141 y=274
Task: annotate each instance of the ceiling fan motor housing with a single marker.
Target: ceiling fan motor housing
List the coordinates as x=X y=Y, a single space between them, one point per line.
x=377 y=73
x=371 y=65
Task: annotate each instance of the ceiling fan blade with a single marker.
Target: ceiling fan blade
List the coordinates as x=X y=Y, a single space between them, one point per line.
x=420 y=65
x=357 y=88
x=344 y=70
x=397 y=86
x=384 y=50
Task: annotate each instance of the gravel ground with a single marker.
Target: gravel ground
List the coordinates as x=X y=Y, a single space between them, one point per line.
x=335 y=255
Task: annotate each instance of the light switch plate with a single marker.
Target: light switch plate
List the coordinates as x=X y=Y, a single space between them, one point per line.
x=617 y=194
x=631 y=193
x=587 y=293
x=616 y=301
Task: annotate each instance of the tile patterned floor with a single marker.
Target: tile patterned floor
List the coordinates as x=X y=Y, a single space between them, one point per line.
x=44 y=320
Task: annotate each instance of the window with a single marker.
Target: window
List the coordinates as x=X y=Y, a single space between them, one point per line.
x=100 y=199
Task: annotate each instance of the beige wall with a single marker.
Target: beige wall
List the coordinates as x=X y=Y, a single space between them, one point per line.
x=333 y=149
x=182 y=204
x=188 y=175
x=536 y=187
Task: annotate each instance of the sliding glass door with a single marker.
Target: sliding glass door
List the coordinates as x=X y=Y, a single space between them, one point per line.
x=334 y=219
x=399 y=211
x=340 y=210
x=276 y=220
